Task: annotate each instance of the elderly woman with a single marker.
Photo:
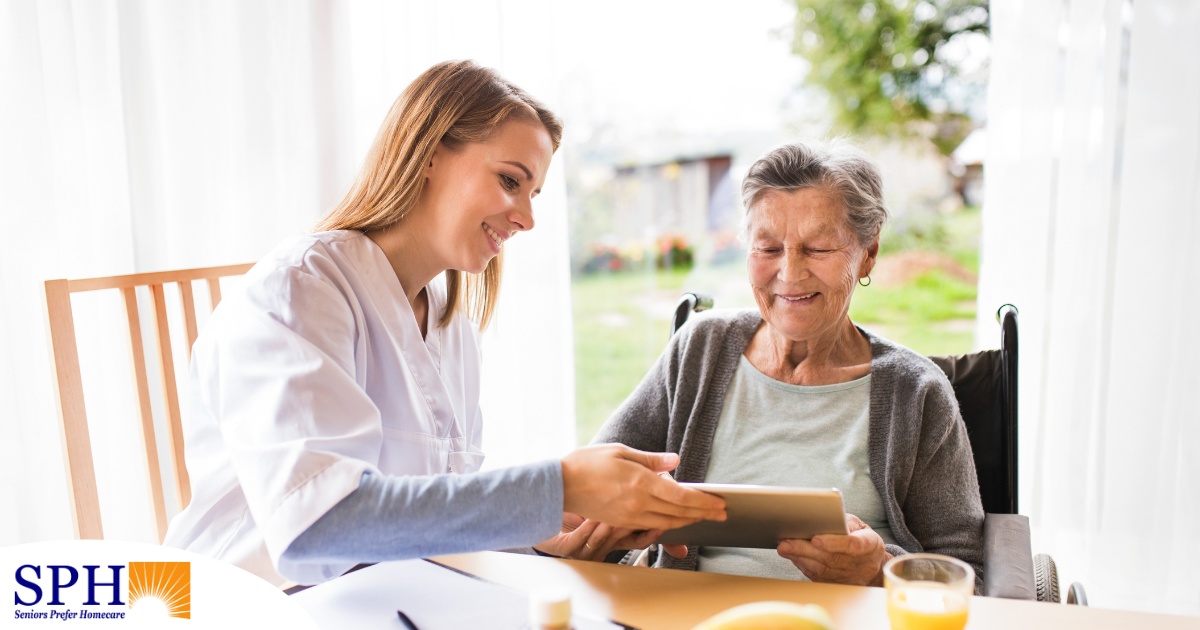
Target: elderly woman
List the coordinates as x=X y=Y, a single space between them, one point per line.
x=795 y=394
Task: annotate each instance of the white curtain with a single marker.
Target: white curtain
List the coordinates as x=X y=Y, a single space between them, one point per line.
x=143 y=135
x=1091 y=217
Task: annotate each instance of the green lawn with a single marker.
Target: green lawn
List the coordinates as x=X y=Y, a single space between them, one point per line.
x=619 y=331
x=622 y=321
x=932 y=314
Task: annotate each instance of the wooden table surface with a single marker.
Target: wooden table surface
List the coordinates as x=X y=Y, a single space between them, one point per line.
x=654 y=599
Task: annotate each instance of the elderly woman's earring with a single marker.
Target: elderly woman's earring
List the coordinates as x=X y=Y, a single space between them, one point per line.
x=865 y=284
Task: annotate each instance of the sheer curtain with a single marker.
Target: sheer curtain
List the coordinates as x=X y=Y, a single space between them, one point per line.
x=140 y=136
x=1090 y=226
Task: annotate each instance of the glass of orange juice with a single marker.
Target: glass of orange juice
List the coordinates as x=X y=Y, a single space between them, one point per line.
x=926 y=591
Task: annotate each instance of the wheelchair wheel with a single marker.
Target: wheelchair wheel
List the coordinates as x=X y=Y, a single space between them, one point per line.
x=1076 y=595
x=1045 y=577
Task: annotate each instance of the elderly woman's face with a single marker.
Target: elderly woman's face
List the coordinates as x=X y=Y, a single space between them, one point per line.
x=804 y=261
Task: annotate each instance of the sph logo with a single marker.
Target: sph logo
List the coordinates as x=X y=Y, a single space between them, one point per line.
x=30 y=589
x=45 y=592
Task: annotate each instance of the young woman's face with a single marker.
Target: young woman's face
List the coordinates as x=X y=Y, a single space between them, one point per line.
x=480 y=195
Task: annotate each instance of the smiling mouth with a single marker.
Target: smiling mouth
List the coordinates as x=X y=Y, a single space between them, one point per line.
x=798 y=299
x=495 y=237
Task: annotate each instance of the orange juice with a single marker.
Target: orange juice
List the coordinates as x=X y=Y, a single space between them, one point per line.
x=922 y=605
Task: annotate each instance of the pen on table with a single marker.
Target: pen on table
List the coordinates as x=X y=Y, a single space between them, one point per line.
x=408 y=623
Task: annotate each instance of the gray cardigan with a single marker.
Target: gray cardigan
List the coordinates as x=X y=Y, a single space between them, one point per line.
x=920 y=457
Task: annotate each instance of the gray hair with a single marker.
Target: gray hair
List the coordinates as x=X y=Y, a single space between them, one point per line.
x=838 y=168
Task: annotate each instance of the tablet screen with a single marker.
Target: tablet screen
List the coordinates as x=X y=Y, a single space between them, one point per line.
x=761 y=516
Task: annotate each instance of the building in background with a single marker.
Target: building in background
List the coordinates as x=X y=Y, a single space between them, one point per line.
x=966 y=166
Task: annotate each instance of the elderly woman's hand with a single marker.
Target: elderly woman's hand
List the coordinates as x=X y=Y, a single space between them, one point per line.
x=854 y=559
x=586 y=539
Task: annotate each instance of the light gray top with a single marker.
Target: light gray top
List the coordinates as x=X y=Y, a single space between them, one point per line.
x=820 y=443
x=918 y=451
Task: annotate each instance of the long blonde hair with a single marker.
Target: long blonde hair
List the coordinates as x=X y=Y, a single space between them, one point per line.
x=452 y=104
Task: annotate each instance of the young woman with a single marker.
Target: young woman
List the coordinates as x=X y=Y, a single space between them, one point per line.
x=335 y=399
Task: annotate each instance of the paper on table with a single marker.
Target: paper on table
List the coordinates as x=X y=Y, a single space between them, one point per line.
x=433 y=596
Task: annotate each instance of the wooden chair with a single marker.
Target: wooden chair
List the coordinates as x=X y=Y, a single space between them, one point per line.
x=68 y=382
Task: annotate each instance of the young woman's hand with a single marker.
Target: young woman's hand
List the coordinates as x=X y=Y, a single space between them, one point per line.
x=857 y=558
x=586 y=539
x=620 y=486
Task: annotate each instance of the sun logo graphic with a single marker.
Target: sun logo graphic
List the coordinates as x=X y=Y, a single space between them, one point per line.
x=160 y=589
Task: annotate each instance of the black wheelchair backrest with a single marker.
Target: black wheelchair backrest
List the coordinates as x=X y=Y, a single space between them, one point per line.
x=985 y=384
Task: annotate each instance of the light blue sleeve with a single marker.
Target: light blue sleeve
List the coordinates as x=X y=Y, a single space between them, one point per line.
x=392 y=517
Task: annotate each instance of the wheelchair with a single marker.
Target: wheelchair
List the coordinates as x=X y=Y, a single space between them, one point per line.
x=985 y=384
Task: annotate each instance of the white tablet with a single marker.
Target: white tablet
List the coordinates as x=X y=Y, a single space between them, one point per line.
x=761 y=516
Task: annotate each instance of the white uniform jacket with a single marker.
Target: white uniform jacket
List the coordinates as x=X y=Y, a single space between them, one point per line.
x=312 y=373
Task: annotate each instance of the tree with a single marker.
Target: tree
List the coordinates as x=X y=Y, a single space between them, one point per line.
x=896 y=67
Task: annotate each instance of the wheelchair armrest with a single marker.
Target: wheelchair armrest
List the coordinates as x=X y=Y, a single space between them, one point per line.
x=1007 y=557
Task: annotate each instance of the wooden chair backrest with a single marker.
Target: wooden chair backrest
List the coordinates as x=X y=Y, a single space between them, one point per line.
x=68 y=383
